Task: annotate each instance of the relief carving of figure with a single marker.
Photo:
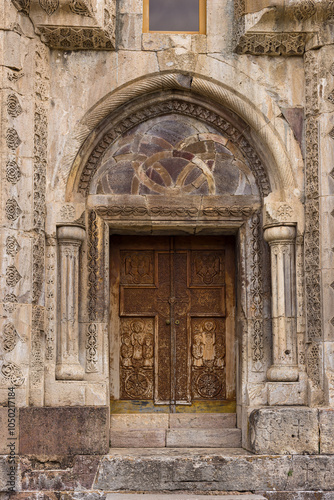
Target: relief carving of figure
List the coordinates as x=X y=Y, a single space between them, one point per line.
x=197 y=351
x=148 y=352
x=209 y=339
x=126 y=351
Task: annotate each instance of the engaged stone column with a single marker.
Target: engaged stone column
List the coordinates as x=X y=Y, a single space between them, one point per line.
x=281 y=240
x=68 y=366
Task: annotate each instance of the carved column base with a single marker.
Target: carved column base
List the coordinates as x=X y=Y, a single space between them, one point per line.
x=282 y=373
x=69 y=371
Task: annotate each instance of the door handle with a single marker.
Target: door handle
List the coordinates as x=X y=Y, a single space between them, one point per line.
x=167 y=321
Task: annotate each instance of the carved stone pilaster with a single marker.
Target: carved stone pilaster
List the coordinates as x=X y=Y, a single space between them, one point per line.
x=281 y=240
x=68 y=366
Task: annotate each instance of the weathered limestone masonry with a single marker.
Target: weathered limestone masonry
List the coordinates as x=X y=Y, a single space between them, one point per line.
x=89 y=104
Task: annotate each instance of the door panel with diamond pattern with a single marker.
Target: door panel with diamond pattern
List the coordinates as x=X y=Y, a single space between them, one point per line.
x=174 y=331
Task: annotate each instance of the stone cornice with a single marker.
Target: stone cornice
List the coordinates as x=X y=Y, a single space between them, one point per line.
x=279 y=27
x=72 y=24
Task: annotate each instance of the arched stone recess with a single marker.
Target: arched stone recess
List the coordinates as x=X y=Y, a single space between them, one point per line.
x=178 y=162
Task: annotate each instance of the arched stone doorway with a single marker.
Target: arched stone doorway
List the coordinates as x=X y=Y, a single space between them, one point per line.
x=173 y=163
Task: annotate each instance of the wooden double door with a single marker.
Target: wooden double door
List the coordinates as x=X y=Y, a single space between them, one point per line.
x=172 y=316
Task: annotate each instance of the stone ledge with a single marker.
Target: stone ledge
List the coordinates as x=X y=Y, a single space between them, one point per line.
x=192 y=471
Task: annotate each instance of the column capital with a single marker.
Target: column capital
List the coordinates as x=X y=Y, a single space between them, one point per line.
x=280 y=233
x=71 y=233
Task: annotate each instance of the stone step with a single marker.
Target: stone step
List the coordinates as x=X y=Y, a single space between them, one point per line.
x=180 y=496
x=175 y=438
x=203 y=438
x=173 y=420
x=199 y=470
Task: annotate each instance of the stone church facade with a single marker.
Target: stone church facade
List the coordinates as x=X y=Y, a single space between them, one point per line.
x=218 y=146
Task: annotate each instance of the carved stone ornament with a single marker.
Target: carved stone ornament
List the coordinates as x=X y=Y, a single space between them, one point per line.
x=13 y=172
x=12 y=209
x=12 y=139
x=12 y=373
x=12 y=246
x=304 y=9
x=67 y=213
x=81 y=8
x=49 y=6
x=12 y=276
x=10 y=337
x=272 y=44
x=177 y=212
x=75 y=38
x=72 y=24
x=13 y=106
x=14 y=76
x=10 y=301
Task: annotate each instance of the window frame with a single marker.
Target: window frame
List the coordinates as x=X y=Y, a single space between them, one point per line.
x=202 y=20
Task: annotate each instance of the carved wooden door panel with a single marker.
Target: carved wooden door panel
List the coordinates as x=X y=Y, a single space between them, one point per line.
x=174 y=331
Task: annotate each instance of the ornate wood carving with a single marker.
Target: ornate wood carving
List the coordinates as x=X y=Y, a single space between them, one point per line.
x=137 y=358
x=208 y=358
x=172 y=320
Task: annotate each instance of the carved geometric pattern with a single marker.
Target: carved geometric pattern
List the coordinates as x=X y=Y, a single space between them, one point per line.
x=92 y=265
x=208 y=358
x=12 y=373
x=274 y=44
x=137 y=358
x=79 y=7
x=176 y=106
x=67 y=212
x=256 y=289
x=331 y=133
x=12 y=139
x=13 y=210
x=10 y=301
x=12 y=276
x=332 y=321
x=37 y=334
x=332 y=285
x=10 y=337
x=304 y=9
x=207 y=268
x=13 y=106
x=12 y=246
x=71 y=38
x=13 y=172
x=312 y=234
x=50 y=300
x=214 y=212
x=91 y=349
x=49 y=6
x=137 y=267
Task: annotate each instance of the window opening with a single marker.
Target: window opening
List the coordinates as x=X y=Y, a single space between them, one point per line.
x=174 y=16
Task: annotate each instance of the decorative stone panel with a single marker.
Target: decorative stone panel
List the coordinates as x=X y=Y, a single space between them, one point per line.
x=72 y=24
